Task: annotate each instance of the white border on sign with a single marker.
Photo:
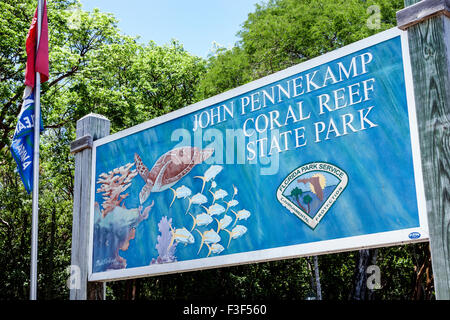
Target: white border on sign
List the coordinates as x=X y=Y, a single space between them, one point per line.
x=313 y=248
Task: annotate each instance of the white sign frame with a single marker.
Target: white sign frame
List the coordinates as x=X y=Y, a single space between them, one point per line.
x=294 y=251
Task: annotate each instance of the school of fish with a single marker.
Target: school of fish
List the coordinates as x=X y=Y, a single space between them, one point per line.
x=219 y=217
x=222 y=210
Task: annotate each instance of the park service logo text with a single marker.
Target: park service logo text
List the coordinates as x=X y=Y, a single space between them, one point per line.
x=310 y=190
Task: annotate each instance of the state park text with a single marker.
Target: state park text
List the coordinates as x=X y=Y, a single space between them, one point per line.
x=305 y=103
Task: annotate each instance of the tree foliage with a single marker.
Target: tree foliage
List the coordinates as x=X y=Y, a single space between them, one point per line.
x=95 y=68
x=282 y=33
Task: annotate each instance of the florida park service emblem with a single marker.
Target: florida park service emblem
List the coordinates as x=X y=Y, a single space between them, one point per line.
x=310 y=190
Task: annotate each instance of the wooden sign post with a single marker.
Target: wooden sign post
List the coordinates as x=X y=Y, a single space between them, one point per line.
x=89 y=128
x=428 y=25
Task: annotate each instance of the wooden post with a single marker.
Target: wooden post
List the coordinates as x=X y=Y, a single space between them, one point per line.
x=428 y=26
x=89 y=128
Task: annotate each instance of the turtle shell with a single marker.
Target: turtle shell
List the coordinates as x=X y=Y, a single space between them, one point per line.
x=177 y=163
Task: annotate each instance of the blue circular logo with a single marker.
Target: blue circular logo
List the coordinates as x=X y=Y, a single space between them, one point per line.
x=414 y=235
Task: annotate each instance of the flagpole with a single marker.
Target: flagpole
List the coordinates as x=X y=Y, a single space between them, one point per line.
x=37 y=122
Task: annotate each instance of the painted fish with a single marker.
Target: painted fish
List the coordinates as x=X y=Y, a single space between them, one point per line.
x=219 y=194
x=210 y=174
x=181 y=235
x=241 y=215
x=215 y=248
x=209 y=236
x=180 y=192
x=235 y=191
x=236 y=232
x=214 y=209
x=213 y=185
x=231 y=203
x=223 y=223
x=202 y=219
x=198 y=198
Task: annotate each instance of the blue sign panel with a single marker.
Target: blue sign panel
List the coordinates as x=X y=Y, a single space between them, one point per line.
x=320 y=157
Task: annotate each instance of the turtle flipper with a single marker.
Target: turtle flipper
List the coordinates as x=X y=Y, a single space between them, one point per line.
x=145 y=174
x=145 y=192
x=141 y=167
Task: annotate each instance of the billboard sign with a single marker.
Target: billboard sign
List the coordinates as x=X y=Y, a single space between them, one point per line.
x=320 y=157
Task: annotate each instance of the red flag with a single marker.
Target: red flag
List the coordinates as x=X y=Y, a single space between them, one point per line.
x=37 y=62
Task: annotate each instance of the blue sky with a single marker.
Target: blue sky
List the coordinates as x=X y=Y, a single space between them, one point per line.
x=195 y=23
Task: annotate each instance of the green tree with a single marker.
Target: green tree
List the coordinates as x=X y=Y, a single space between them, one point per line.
x=307 y=200
x=227 y=69
x=296 y=193
x=93 y=68
x=281 y=33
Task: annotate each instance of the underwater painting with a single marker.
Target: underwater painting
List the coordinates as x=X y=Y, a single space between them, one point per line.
x=320 y=152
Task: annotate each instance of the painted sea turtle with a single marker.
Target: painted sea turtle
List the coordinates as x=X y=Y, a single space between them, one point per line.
x=169 y=168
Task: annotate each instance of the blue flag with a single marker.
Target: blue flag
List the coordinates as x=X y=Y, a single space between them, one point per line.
x=23 y=142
